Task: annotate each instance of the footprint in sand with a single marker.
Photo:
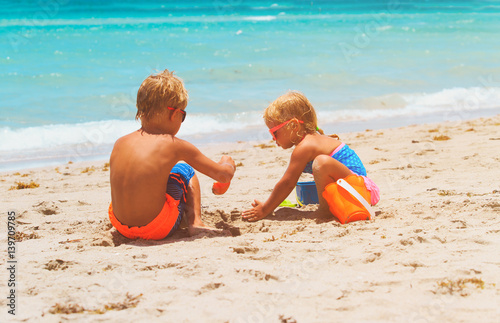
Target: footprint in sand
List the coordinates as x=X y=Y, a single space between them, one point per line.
x=285 y=319
x=241 y=250
x=406 y=242
x=259 y=275
x=373 y=257
x=105 y=241
x=58 y=264
x=46 y=208
x=32 y=291
x=494 y=205
x=210 y=287
x=225 y=227
x=414 y=265
x=460 y=224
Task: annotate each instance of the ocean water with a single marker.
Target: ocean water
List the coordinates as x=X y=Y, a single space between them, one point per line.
x=70 y=70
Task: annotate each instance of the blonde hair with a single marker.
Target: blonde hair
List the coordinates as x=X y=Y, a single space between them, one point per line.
x=158 y=92
x=291 y=105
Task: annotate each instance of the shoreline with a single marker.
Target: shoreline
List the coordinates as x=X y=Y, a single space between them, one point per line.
x=429 y=254
x=101 y=152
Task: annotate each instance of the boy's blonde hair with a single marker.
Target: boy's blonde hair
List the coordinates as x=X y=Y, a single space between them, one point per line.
x=158 y=92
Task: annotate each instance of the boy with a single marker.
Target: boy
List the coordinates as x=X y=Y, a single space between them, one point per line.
x=149 y=190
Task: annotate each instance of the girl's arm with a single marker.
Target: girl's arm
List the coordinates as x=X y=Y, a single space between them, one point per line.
x=298 y=161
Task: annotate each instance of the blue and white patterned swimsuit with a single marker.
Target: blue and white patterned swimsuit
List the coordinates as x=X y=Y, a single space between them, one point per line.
x=346 y=156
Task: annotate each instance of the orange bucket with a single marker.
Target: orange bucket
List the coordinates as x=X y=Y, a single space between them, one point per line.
x=346 y=207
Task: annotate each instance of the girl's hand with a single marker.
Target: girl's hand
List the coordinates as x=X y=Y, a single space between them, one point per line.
x=254 y=214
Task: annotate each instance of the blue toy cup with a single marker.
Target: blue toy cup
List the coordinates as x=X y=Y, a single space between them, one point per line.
x=306 y=193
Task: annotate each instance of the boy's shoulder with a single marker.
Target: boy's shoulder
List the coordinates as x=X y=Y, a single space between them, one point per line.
x=141 y=140
x=140 y=135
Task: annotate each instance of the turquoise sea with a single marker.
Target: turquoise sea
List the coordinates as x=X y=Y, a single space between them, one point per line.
x=70 y=70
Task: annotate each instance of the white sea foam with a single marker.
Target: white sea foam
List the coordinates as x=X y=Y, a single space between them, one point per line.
x=456 y=103
x=53 y=136
x=384 y=28
x=260 y=18
x=99 y=22
x=459 y=101
x=106 y=132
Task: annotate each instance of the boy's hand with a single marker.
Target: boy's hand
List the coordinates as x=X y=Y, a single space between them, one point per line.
x=219 y=188
x=254 y=214
x=225 y=159
x=229 y=172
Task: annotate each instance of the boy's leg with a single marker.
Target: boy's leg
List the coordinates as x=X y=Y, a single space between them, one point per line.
x=193 y=202
x=193 y=208
x=327 y=170
x=184 y=186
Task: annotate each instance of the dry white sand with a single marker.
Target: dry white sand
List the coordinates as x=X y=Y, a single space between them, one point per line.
x=432 y=254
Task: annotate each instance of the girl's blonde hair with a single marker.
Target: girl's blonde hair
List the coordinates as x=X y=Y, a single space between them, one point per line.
x=291 y=105
x=158 y=92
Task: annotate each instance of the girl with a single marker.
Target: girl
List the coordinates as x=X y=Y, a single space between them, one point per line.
x=291 y=120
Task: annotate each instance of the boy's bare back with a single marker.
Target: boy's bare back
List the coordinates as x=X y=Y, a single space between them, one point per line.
x=141 y=162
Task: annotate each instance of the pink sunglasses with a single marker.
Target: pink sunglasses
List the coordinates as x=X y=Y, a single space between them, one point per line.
x=273 y=130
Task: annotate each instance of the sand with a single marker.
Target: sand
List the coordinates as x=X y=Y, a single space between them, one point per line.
x=432 y=253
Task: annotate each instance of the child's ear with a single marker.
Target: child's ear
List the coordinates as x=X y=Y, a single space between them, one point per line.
x=171 y=116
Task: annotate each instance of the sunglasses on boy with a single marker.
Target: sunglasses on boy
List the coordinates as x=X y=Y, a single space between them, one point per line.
x=182 y=111
x=273 y=130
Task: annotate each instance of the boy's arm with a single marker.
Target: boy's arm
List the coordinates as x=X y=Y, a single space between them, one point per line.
x=282 y=189
x=223 y=171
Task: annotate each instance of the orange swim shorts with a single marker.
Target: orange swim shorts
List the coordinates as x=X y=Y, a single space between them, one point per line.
x=157 y=229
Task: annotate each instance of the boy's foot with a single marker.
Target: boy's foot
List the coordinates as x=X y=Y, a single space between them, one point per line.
x=194 y=230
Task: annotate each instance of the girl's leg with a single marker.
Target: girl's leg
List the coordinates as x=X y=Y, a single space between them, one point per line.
x=327 y=170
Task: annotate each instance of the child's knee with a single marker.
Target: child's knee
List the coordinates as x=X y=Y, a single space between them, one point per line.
x=320 y=162
x=324 y=165
x=194 y=183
